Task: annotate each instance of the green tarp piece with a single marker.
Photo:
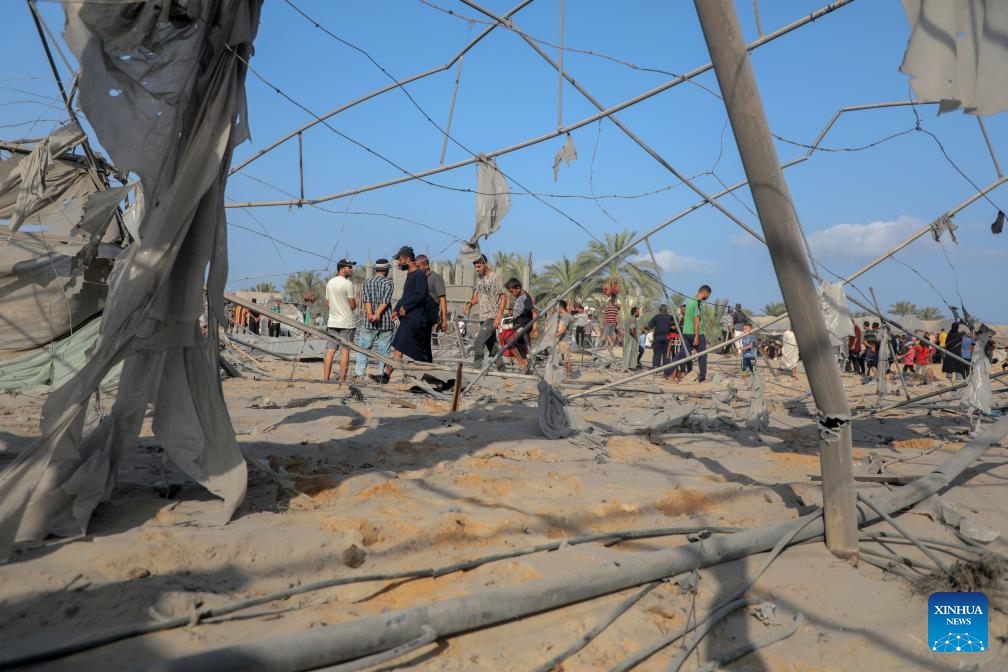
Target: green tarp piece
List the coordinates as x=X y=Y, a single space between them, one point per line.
x=47 y=368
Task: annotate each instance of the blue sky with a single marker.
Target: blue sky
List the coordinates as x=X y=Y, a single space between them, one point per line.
x=852 y=204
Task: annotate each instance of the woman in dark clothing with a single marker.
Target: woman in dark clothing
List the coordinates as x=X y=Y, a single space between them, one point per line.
x=413 y=335
x=953 y=343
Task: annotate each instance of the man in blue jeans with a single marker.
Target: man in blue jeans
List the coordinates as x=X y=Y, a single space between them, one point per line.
x=376 y=326
x=692 y=331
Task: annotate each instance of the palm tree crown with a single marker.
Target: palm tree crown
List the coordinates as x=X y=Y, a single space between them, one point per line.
x=638 y=277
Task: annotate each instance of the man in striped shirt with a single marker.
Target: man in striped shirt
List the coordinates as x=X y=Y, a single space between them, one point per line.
x=376 y=325
x=610 y=321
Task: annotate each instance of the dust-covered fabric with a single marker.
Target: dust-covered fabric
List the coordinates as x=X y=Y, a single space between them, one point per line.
x=957 y=53
x=163 y=84
x=833 y=301
x=29 y=179
x=493 y=200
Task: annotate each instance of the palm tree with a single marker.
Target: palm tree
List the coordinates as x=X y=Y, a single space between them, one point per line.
x=774 y=308
x=264 y=287
x=554 y=279
x=639 y=277
x=302 y=285
x=510 y=264
x=930 y=313
x=903 y=308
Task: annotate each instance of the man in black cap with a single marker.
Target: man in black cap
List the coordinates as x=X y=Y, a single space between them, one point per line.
x=342 y=304
x=376 y=327
x=416 y=313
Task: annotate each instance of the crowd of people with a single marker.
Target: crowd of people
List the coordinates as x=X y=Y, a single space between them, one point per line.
x=504 y=311
x=922 y=357
x=504 y=317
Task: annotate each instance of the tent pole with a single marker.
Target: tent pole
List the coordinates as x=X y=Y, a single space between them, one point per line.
x=780 y=225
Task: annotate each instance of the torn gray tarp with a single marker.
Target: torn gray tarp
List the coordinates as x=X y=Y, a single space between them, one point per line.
x=555 y=420
x=957 y=53
x=45 y=293
x=163 y=85
x=30 y=176
x=566 y=154
x=658 y=420
x=493 y=200
x=46 y=193
x=833 y=300
x=100 y=208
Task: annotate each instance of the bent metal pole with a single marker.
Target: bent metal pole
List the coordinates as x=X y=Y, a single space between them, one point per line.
x=780 y=226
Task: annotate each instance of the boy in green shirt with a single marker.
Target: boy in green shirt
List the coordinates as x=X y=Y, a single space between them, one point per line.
x=693 y=339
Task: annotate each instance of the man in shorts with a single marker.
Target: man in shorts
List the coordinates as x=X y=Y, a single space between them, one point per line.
x=342 y=304
x=610 y=322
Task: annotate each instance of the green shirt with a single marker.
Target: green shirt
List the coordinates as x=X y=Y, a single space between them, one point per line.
x=692 y=310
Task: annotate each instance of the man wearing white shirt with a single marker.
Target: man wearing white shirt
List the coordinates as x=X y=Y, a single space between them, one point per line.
x=342 y=302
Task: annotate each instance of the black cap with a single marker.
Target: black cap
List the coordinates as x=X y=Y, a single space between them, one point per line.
x=345 y=262
x=404 y=250
x=382 y=265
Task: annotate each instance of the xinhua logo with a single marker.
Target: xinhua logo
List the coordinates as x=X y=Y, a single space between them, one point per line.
x=957 y=622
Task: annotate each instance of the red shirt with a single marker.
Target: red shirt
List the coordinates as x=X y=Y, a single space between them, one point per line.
x=611 y=314
x=854 y=342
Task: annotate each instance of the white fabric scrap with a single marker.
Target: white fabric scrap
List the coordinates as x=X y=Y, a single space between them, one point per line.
x=566 y=154
x=957 y=53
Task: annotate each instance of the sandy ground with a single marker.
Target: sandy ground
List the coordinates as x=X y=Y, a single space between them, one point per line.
x=416 y=488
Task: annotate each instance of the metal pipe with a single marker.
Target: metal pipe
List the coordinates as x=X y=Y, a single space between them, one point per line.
x=560 y=71
x=780 y=225
x=990 y=147
x=377 y=92
x=353 y=639
x=521 y=145
x=927 y=229
x=451 y=112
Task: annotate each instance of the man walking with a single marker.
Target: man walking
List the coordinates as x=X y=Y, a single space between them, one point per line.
x=342 y=303
x=437 y=290
x=414 y=311
x=490 y=301
x=376 y=327
x=660 y=327
x=693 y=338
